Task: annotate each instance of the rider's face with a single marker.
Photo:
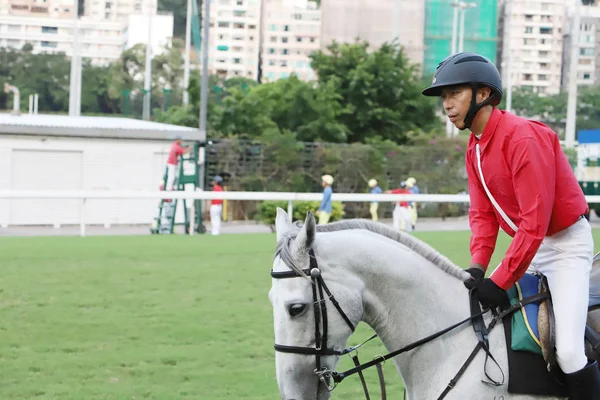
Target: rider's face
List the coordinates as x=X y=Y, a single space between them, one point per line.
x=457 y=100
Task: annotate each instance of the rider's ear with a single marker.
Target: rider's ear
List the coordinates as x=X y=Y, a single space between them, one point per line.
x=483 y=94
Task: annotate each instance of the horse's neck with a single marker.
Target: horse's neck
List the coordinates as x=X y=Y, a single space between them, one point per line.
x=406 y=298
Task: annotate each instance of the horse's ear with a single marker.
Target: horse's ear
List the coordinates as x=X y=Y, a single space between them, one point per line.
x=306 y=236
x=282 y=223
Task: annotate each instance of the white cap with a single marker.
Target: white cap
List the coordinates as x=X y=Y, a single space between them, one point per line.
x=328 y=179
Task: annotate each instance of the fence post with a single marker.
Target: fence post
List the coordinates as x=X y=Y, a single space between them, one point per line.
x=82 y=218
x=290 y=210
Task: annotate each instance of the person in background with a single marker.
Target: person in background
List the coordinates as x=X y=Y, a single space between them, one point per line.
x=375 y=189
x=324 y=211
x=176 y=150
x=401 y=214
x=216 y=207
x=411 y=184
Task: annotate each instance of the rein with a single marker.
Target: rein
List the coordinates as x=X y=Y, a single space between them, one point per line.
x=320 y=311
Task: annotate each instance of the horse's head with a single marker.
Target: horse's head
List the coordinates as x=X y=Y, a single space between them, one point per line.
x=310 y=330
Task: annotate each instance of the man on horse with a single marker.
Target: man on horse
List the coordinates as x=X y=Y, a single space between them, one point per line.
x=521 y=181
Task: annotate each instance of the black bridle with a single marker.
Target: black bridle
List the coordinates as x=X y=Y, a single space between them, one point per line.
x=319 y=288
x=320 y=350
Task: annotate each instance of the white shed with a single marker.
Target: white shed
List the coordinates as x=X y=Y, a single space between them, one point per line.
x=57 y=152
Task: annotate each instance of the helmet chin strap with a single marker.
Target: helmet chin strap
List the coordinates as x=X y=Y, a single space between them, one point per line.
x=474 y=107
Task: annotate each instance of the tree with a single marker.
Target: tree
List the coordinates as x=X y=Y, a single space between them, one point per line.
x=379 y=90
x=552 y=110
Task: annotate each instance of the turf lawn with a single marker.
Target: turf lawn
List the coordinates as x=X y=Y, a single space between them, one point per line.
x=152 y=317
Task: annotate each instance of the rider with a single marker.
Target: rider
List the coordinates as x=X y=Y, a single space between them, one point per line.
x=520 y=180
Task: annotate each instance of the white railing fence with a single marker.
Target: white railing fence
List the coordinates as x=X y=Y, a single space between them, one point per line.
x=84 y=195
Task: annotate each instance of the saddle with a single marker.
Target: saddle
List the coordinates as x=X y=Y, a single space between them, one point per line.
x=531 y=339
x=533 y=326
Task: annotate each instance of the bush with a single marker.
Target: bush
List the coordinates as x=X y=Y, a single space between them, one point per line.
x=267 y=211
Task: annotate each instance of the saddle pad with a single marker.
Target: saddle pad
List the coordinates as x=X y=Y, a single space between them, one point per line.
x=527 y=373
x=524 y=327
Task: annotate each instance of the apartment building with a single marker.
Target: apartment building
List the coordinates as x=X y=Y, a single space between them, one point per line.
x=588 y=57
x=101 y=42
x=48 y=26
x=234 y=41
x=38 y=8
x=532 y=33
x=118 y=10
x=376 y=22
x=290 y=33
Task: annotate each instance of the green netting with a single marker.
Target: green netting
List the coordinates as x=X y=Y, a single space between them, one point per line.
x=480 y=31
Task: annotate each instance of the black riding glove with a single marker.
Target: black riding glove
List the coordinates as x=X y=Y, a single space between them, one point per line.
x=476 y=271
x=487 y=292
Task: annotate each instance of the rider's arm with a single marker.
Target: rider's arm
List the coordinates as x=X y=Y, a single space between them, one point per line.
x=482 y=219
x=534 y=181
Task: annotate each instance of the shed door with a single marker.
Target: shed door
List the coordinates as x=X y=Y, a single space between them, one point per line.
x=45 y=170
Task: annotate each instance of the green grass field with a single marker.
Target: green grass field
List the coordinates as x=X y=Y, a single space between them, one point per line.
x=152 y=317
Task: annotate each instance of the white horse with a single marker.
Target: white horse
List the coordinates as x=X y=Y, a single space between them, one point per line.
x=400 y=287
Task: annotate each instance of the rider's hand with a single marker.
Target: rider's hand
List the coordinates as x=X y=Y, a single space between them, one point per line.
x=487 y=292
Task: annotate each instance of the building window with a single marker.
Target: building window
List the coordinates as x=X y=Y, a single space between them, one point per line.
x=273 y=39
x=528 y=17
x=586 y=76
x=239 y=13
x=271 y=75
x=284 y=52
x=271 y=51
x=286 y=28
x=240 y=2
x=251 y=26
x=299 y=39
x=223 y=24
x=283 y=63
x=284 y=40
x=49 y=44
x=546 y=31
x=237 y=60
x=526 y=77
x=528 y=29
x=272 y=62
x=273 y=27
x=542 y=77
x=49 y=29
x=586 y=52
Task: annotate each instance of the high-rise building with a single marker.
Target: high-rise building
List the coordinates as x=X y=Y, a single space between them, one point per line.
x=588 y=58
x=376 y=22
x=290 y=32
x=480 y=30
x=48 y=27
x=532 y=42
x=234 y=41
x=33 y=8
x=117 y=10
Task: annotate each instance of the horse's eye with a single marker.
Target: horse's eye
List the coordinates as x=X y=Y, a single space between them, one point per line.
x=296 y=309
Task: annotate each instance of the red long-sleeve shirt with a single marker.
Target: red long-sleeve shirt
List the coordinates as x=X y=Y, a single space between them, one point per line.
x=530 y=178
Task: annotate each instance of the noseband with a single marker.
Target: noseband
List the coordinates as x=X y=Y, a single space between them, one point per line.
x=319 y=288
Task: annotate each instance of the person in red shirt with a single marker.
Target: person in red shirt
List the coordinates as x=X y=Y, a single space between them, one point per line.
x=520 y=180
x=401 y=213
x=176 y=150
x=216 y=207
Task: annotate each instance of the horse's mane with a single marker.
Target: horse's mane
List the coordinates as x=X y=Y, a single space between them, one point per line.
x=284 y=249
